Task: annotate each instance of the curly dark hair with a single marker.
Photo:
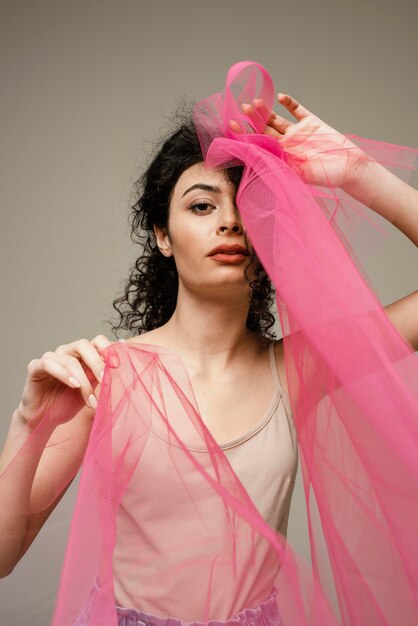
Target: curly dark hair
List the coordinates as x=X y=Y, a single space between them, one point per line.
x=150 y=293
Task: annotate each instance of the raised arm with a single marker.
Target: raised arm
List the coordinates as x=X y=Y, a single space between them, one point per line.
x=362 y=178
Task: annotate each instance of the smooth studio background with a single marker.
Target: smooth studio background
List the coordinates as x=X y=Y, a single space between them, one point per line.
x=86 y=87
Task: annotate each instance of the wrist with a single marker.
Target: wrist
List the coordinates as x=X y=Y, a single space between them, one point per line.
x=21 y=426
x=18 y=436
x=363 y=180
x=357 y=174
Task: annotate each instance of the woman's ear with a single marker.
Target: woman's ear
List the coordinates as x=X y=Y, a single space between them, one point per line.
x=163 y=240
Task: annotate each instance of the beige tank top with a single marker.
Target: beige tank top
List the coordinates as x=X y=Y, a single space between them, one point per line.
x=265 y=459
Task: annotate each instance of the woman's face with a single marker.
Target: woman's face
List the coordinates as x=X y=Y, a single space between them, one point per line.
x=203 y=215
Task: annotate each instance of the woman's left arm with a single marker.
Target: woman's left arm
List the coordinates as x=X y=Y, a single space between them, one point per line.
x=398 y=203
x=392 y=197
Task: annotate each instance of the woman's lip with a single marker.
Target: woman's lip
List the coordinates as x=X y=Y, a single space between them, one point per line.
x=228 y=258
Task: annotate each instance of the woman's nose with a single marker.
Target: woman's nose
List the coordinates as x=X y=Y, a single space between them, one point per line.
x=230 y=220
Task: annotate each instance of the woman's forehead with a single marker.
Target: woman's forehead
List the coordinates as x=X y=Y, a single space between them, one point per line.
x=199 y=173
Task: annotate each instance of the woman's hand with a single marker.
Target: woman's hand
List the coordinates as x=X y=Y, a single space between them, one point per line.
x=78 y=366
x=320 y=154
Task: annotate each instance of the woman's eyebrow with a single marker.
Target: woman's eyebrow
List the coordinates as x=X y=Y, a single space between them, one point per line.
x=203 y=186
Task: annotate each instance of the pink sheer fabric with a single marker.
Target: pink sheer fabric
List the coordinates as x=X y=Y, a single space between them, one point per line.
x=202 y=551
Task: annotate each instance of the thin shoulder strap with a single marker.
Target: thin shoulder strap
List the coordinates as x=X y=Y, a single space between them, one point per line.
x=273 y=365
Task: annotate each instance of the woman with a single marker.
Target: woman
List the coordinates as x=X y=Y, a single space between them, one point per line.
x=211 y=312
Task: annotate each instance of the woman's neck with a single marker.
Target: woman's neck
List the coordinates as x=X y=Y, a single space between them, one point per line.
x=209 y=336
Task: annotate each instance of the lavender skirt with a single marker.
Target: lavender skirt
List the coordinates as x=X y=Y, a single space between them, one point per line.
x=266 y=613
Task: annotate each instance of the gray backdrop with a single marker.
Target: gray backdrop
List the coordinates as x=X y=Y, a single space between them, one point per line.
x=86 y=87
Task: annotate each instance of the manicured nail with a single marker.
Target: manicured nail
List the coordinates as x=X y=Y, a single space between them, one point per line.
x=74 y=382
x=92 y=401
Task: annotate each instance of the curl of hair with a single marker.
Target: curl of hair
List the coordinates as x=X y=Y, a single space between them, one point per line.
x=149 y=294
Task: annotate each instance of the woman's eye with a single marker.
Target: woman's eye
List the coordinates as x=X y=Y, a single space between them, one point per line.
x=198 y=207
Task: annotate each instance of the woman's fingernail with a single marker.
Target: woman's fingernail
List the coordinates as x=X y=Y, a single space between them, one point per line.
x=74 y=381
x=101 y=375
x=92 y=401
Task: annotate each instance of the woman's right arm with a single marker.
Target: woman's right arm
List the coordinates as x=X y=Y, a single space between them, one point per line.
x=34 y=483
x=32 y=478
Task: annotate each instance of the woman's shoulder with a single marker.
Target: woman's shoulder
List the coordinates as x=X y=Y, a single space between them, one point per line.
x=150 y=337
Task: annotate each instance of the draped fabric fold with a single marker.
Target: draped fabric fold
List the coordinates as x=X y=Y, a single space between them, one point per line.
x=154 y=478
